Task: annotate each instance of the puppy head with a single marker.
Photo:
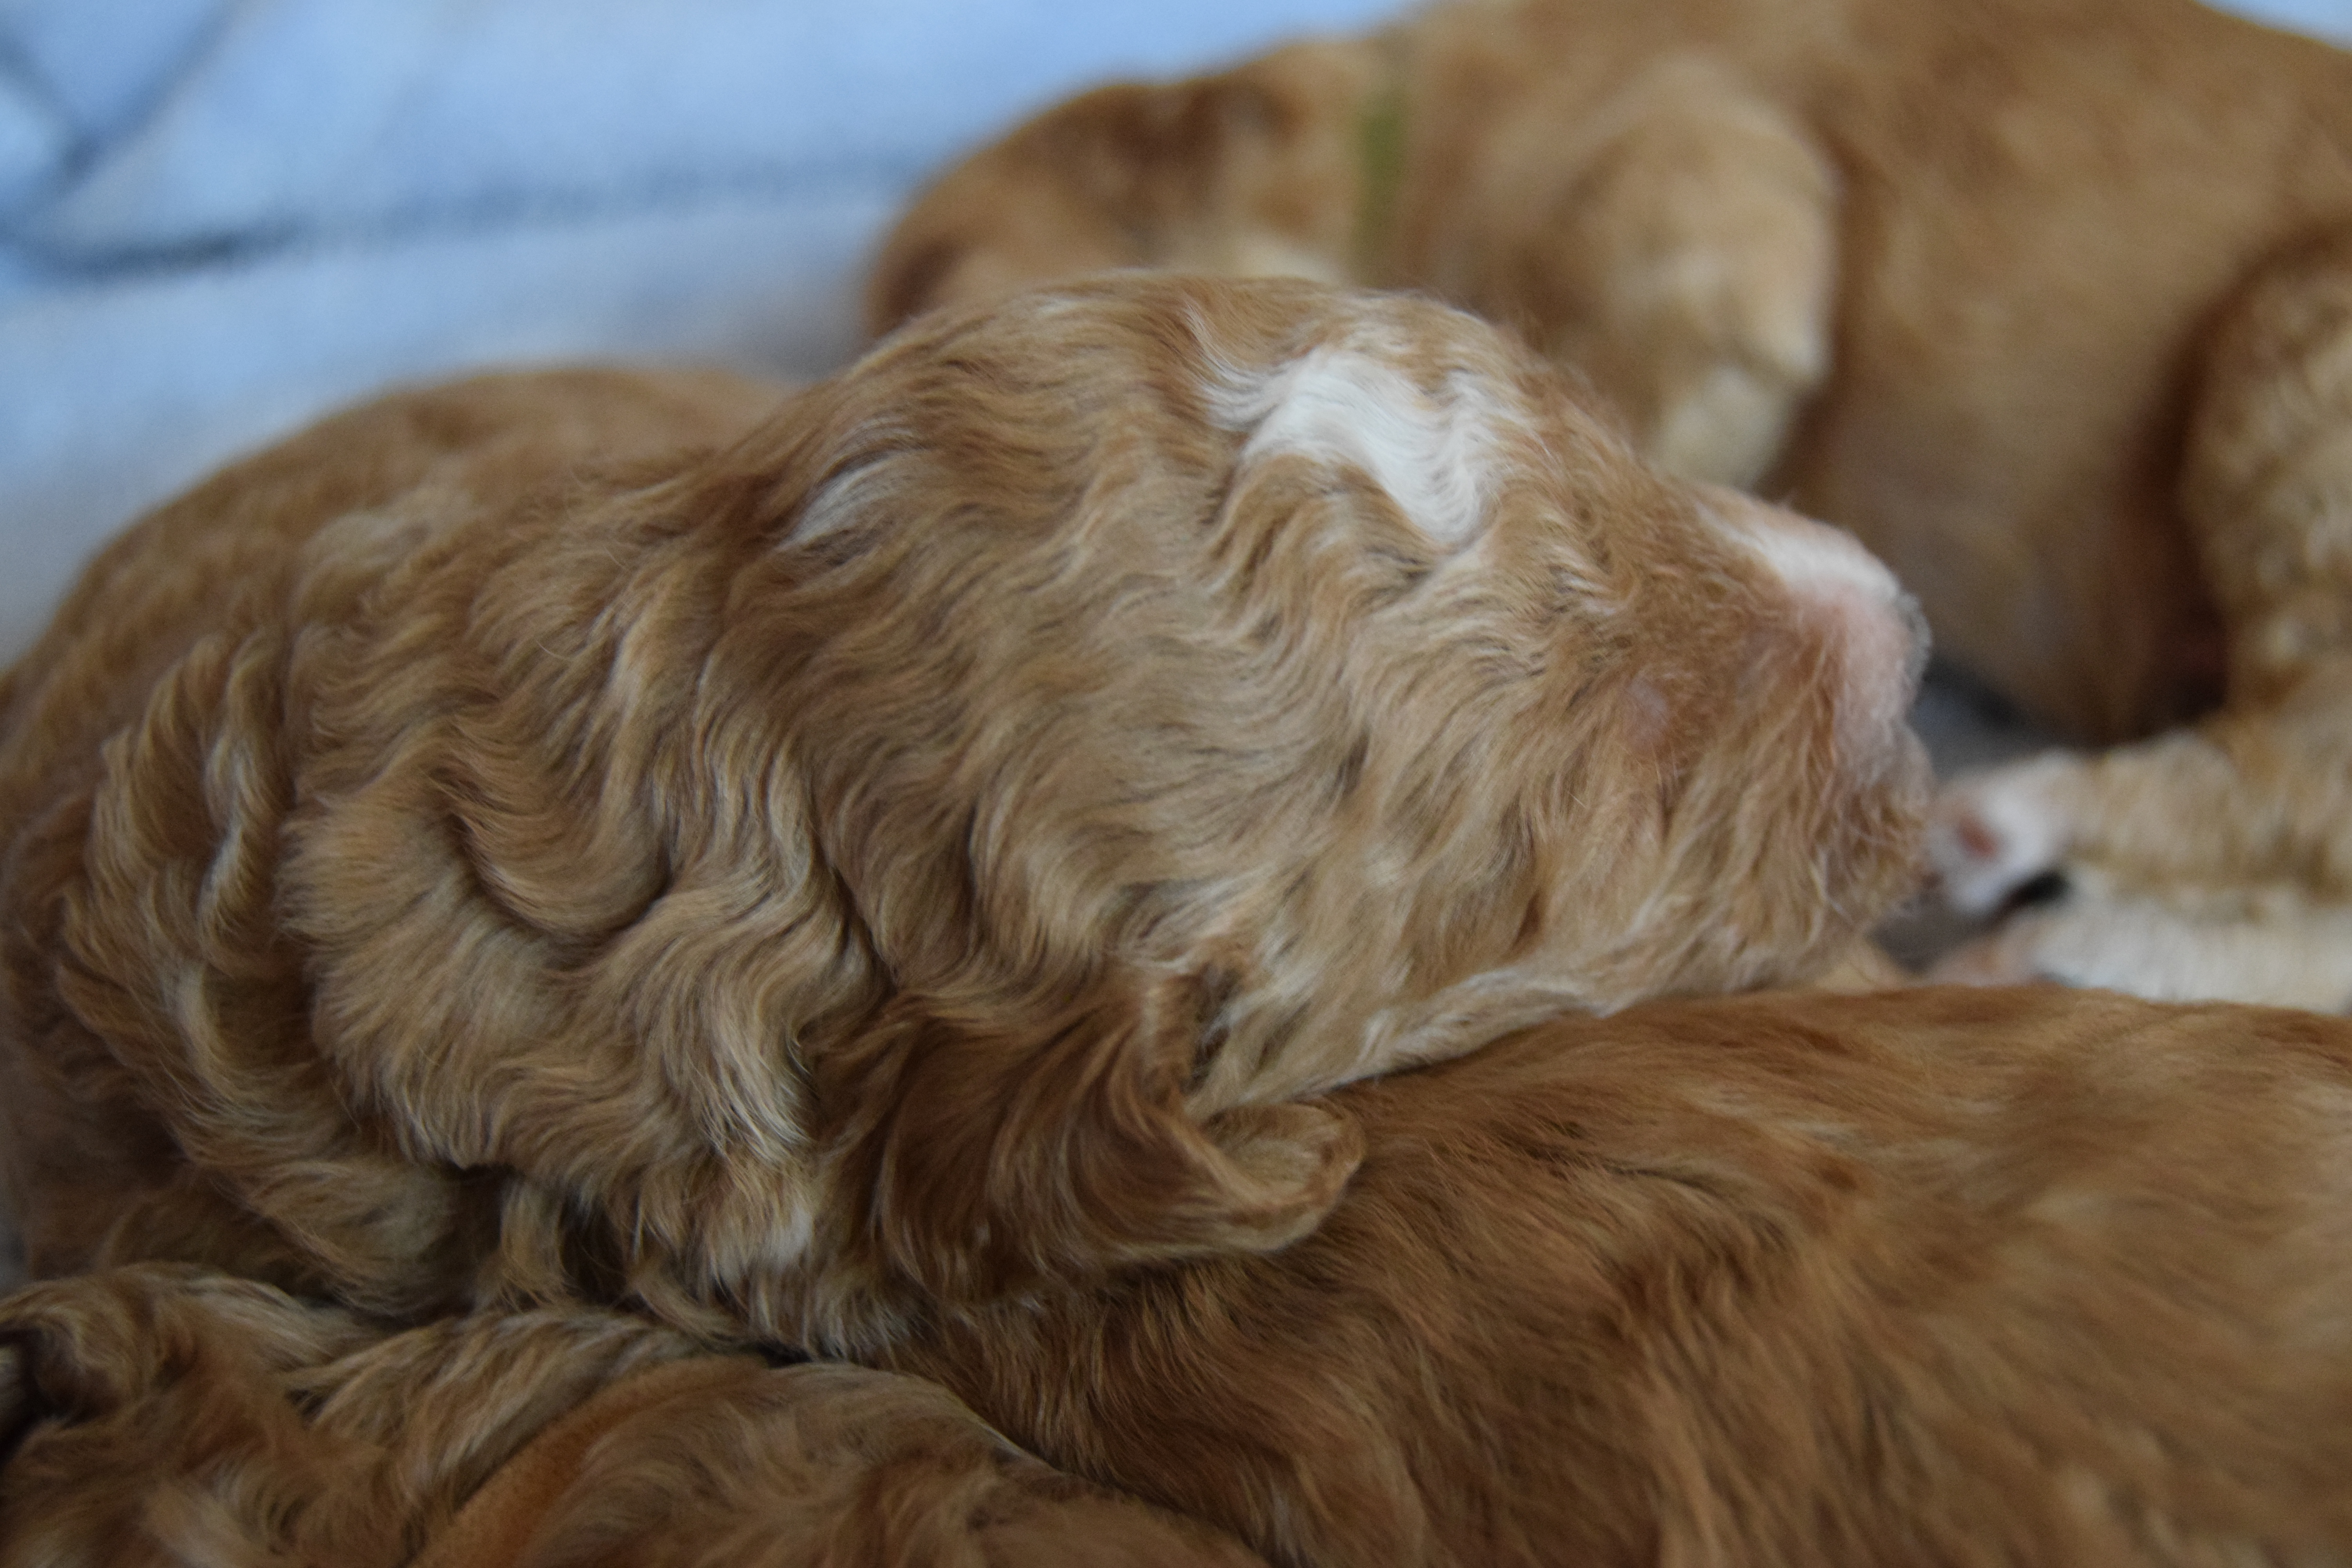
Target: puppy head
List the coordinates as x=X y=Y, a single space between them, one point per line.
x=1253 y=172
x=1205 y=693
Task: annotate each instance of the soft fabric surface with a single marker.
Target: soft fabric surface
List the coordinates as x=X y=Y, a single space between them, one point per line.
x=218 y=217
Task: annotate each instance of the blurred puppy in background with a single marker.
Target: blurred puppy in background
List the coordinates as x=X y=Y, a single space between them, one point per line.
x=2050 y=301
x=610 y=837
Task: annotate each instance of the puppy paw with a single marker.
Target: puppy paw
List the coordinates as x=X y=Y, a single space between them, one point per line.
x=2188 y=946
x=1992 y=832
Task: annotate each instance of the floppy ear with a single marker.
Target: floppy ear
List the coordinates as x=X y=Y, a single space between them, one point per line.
x=986 y=1153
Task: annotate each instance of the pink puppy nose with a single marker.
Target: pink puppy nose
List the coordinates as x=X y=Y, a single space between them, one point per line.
x=1838 y=585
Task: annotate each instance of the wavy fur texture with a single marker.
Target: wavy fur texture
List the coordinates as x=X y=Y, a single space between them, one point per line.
x=1950 y=1276
x=2045 y=300
x=1934 y=1276
x=155 y=1414
x=623 y=839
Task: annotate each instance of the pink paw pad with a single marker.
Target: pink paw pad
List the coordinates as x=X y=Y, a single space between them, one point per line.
x=1992 y=832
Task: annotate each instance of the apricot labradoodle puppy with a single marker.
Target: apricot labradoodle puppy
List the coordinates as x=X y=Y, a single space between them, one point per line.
x=2050 y=301
x=780 y=861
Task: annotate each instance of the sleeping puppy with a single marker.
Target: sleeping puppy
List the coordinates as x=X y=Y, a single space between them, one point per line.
x=610 y=837
x=2026 y=1276
x=153 y=1413
x=2031 y=1277
x=2050 y=301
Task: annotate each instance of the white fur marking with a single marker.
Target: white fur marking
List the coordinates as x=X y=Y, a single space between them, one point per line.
x=1432 y=456
x=1836 y=584
x=1993 y=831
x=1808 y=555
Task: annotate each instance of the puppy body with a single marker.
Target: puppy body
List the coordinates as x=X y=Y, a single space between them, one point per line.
x=927 y=841
x=159 y=1415
x=2049 y=300
x=1943 y=1275
x=2215 y=861
x=1933 y=1276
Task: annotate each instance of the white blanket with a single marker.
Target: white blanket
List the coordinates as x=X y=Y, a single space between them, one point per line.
x=218 y=217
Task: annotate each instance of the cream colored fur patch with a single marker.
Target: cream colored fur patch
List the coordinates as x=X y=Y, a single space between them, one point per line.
x=1432 y=455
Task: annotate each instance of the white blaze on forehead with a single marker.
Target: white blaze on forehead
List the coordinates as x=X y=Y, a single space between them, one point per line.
x=1433 y=455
